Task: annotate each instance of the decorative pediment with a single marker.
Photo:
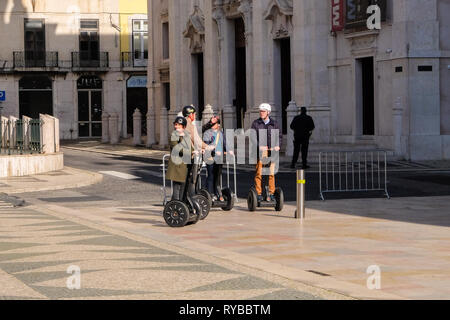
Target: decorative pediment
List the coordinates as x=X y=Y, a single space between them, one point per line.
x=363 y=41
x=195 y=30
x=280 y=13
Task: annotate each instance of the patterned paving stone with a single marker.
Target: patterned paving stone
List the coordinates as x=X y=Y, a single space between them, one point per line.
x=242 y=283
x=52 y=224
x=7 y=246
x=59 y=293
x=15 y=267
x=209 y=268
x=110 y=241
x=111 y=266
x=168 y=259
x=286 y=295
x=15 y=256
x=150 y=250
x=36 y=277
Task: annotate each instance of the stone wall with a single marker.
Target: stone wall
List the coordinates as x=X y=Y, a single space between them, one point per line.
x=25 y=165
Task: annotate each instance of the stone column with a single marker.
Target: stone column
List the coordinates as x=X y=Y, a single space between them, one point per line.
x=226 y=76
x=105 y=127
x=151 y=139
x=163 y=129
x=137 y=127
x=207 y=114
x=229 y=117
x=114 y=128
x=397 y=112
x=246 y=9
x=292 y=112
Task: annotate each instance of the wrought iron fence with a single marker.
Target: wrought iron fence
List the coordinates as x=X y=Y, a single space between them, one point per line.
x=90 y=59
x=35 y=59
x=20 y=137
x=353 y=171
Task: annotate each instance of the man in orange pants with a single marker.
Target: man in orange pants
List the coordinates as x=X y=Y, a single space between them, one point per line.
x=265 y=122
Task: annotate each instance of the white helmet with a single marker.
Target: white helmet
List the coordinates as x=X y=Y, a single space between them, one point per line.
x=265 y=107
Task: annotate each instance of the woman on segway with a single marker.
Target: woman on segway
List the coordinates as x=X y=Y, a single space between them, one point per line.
x=178 y=170
x=186 y=207
x=215 y=138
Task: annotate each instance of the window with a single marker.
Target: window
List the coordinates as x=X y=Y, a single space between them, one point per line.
x=165 y=38
x=140 y=41
x=89 y=43
x=34 y=43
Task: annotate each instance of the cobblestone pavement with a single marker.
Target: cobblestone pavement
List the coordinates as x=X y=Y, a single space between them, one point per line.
x=36 y=250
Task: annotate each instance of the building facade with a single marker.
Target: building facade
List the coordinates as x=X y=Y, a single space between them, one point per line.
x=387 y=88
x=76 y=60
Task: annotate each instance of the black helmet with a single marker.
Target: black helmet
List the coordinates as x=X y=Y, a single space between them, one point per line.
x=188 y=110
x=181 y=120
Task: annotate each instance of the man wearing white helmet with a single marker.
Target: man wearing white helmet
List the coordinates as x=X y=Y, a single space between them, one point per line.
x=265 y=122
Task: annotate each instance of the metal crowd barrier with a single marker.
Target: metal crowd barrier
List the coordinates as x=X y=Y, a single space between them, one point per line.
x=20 y=137
x=167 y=197
x=353 y=171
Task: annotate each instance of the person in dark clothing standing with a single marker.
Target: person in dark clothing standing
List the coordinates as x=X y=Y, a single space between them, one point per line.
x=303 y=126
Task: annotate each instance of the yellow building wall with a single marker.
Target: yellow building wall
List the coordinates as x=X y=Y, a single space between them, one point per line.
x=128 y=8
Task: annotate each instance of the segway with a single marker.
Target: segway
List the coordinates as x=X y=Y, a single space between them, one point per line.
x=252 y=200
x=229 y=197
x=191 y=210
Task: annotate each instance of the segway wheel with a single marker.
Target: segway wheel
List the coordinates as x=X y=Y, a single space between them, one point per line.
x=252 y=200
x=176 y=214
x=207 y=195
x=196 y=212
x=279 y=199
x=204 y=204
x=228 y=196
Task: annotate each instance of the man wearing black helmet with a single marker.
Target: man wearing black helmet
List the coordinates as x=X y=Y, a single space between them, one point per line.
x=198 y=146
x=190 y=113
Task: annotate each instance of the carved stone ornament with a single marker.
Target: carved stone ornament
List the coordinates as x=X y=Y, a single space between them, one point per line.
x=195 y=30
x=366 y=43
x=280 y=13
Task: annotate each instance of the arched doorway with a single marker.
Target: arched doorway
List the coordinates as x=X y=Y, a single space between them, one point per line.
x=90 y=106
x=35 y=96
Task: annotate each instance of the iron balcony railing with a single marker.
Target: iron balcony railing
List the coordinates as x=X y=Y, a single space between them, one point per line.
x=90 y=60
x=35 y=59
x=133 y=60
x=20 y=137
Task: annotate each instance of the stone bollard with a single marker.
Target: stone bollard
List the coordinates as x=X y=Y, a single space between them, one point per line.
x=151 y=139
x=137 y=127
x=207 y=114
x=229 y=117
x=26 y=132
x=292 y=112
x=105 y=127
x=163 y=129
x=13 y=129
x=4 y=131
x=114 y=128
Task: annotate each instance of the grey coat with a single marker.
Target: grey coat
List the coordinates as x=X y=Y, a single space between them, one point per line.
x=178 y=172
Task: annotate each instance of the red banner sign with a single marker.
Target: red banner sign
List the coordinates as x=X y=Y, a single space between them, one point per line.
x=337 y=15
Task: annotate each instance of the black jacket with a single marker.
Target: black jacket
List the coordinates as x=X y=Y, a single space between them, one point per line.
x=302 y=125
x=272 y=125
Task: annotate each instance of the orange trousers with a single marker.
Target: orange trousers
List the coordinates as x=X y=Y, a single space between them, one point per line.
x=258 y=178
